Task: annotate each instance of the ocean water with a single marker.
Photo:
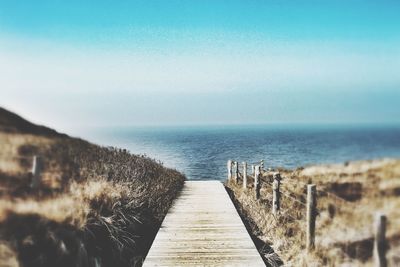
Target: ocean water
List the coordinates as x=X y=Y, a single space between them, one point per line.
x=202 y=152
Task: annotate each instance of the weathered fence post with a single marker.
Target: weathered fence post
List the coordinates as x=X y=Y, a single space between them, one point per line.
x=262 y=165
x=311 y=215
x=257 y=184
x=37 y=166
x=380 y=240
x=229 y=165
x=244 y=175
x=236 y=171
x=276 y=203
x=252 y=169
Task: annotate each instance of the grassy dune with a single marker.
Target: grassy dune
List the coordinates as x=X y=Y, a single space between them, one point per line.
x=96 y=206
x=348 y=197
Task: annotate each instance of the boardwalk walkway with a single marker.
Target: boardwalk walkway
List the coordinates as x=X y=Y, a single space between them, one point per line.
x=203 y=228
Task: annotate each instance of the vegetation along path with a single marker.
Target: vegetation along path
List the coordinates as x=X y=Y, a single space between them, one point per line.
x=203 y=228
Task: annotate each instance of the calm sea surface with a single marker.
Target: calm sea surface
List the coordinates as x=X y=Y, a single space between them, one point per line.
x=202 y=152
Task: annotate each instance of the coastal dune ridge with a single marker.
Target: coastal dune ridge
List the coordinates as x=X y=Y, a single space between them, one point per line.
x=349 y=198
x=95 y=205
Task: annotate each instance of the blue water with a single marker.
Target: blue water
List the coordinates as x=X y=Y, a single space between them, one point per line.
x=202 y=152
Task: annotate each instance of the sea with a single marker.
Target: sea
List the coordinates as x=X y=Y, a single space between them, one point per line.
x=202 y=152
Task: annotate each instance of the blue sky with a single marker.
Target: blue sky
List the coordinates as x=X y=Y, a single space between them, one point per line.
x=74 y=64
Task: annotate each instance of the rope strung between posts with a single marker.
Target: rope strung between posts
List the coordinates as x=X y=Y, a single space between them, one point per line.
x=333 y=196
x=339 y=198
x=296 y=183
x=329 y=194
x=324 y=191
x=293 y=199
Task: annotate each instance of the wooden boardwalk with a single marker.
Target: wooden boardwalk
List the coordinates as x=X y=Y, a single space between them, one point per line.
x=203 y=228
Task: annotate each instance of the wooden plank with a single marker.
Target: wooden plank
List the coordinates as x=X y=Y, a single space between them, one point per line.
x=203 y=228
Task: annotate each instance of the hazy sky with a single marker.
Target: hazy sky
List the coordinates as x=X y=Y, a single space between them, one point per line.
x=71 y=64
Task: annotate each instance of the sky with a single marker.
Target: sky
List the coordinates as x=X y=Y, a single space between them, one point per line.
x=78 y=64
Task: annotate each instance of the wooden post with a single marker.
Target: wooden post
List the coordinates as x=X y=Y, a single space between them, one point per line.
x=229 y=165
x=257 y=184
x=262 y=165
x=311 y=215
x=244 y=175
x=380 y=240
x=236 y=171
x=37 y=166
x=276 y=204
x=233 y=171
x=252 y=170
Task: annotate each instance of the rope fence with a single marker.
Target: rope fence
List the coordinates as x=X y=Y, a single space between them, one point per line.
x=279 y=192
x=293 y=199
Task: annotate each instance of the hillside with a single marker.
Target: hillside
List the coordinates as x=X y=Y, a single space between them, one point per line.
x=12 y=123
x=349 y=195
x=95 y=206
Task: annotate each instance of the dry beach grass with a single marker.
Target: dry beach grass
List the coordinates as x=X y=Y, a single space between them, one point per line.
x=96 y=206
x=348 y=196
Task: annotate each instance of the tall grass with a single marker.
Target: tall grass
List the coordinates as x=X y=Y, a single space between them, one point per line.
x=97 y=206
x=348 y=196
